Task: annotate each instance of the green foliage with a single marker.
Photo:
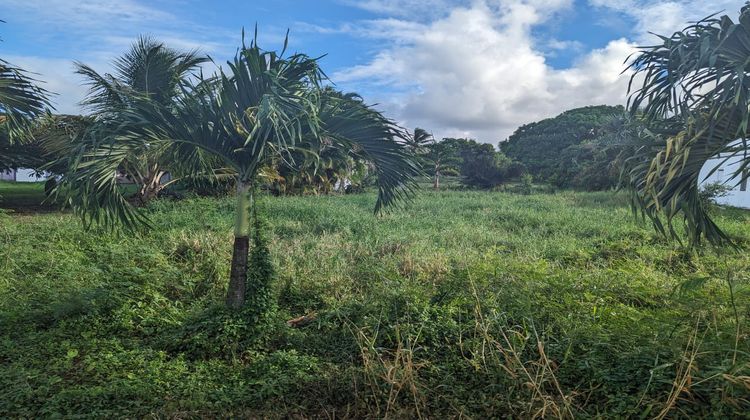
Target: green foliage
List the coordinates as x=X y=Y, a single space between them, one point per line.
x=571 y=149
x=693 y=86
x=710 y=192
x=261 y=109
x=481 y=165
x=495 y=305
x=21 y=101
x=526 y=185
x=260 y=276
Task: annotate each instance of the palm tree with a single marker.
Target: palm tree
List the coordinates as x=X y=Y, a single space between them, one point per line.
x=329 y=167
x=148 y=70
x=417 y=141
x=695 y=95
x=265 y=107
x=21 y=101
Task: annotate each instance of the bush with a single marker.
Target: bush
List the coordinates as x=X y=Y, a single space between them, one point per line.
x=712 y=191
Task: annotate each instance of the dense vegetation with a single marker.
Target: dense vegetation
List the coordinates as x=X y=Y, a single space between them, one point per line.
x=464 y=303
x=571 y=149
x=475 y=304
x=476 y=164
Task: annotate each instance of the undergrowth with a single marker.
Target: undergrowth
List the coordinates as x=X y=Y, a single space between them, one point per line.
x=462 y=304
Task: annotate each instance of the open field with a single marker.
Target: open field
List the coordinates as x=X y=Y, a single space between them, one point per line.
x=468 y=304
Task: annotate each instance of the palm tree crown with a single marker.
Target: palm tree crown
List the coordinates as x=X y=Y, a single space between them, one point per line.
x=264 y=106
x=695 y=93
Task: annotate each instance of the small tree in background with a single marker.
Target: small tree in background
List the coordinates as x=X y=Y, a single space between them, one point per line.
x=481 y=165
x=440 y=159
x=417 y=142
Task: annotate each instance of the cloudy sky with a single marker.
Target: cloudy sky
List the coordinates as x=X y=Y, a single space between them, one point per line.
x=467 y=68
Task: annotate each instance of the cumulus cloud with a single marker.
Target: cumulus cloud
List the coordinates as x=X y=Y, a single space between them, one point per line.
x=477 y=72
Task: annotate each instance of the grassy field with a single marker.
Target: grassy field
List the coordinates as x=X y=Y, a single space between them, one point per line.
x=24 y=197
x=463 y=304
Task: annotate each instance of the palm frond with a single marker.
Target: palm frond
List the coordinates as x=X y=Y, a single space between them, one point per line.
x=358 y=126
x=21 y=100
x=696 y=80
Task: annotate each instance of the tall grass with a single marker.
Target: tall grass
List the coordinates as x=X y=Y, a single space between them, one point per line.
x=461 y=304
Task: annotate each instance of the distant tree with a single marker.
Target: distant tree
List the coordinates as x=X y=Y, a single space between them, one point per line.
x=695 y=83
x=53 y=137
x=596 y=164
x=541 y=146
x=481 y=165
x=417 y=141
x=440 y=159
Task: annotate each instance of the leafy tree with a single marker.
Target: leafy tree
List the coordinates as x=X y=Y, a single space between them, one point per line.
x=265 y=107
x=440 y=159
x=695 y=90
x=596 y=164
x=481 y=165
x=541 y=146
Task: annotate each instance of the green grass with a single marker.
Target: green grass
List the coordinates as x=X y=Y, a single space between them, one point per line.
x=462 y=304
x=23 y=196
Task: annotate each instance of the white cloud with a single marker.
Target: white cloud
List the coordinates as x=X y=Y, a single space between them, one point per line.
x=477 y=71
x=666 y=17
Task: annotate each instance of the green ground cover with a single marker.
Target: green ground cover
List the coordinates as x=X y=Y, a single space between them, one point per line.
x=23 y=197
x=468 y=304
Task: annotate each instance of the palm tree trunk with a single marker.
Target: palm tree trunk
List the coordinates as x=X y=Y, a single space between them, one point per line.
x=151 y=185
x=436 y=184
x=238 y=271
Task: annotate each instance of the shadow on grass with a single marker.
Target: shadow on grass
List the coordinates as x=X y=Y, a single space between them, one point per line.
x=25 y=198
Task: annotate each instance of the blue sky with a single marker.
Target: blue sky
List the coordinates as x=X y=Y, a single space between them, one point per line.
x=476 y=68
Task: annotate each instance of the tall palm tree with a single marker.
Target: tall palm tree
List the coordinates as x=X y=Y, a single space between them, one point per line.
x=264 y=107
x=695 y=94
x=148 y=70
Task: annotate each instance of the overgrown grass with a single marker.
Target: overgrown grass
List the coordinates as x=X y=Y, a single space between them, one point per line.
x=23 y=197
x=462 y=304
